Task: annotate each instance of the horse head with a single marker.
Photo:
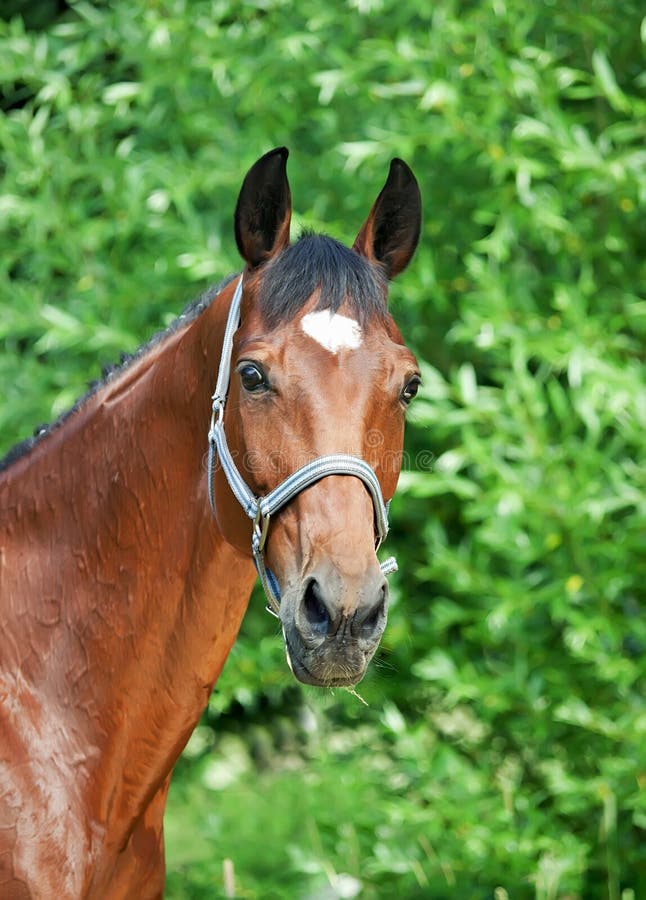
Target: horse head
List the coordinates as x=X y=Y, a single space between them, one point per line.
x=319 y=368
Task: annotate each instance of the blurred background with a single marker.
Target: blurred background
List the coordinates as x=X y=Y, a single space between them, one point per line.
x=497 y=749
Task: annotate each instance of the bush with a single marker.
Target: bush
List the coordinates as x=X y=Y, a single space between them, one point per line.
x=502 y=751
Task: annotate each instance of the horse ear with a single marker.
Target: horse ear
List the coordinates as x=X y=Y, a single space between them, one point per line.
x=264 y=208
x=391 y=231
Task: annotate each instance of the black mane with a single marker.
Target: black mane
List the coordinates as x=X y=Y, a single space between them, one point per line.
x=318 y=262
x=192 y=311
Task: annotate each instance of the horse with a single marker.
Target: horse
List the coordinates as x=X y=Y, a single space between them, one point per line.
x=121 y=592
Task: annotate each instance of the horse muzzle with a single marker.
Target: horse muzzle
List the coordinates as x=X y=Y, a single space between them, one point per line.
x=333 y=628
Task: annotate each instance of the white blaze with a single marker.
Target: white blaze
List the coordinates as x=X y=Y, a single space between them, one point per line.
x=332 y=330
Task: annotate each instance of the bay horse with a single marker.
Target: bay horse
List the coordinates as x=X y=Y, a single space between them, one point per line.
x=121 y=594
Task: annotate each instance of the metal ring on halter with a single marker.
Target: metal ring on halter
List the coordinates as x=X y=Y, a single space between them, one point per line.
x=260 y=528
x=217 y=414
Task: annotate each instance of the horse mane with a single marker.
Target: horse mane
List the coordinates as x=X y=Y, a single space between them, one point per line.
x=314 y=262
x=112 y=371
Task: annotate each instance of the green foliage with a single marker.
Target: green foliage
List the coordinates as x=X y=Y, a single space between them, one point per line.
x=502 y=750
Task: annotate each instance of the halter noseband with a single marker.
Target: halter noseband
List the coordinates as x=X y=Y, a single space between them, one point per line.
x=261 y=509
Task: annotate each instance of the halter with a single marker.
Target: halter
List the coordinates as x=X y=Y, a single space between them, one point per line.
x=261 y=509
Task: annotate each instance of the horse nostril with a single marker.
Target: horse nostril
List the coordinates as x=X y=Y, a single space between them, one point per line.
x=375 y=618
x=315 y=609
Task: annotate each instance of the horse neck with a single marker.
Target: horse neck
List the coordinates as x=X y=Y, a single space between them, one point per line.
x=125 y=597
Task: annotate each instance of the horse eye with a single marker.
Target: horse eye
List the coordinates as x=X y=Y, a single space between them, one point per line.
x=252 y=378
x=411 y=389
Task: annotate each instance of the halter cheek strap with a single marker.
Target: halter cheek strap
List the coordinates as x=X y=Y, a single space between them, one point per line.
x=261 y=509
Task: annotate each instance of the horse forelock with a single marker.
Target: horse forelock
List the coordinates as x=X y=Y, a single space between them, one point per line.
x=319 y=263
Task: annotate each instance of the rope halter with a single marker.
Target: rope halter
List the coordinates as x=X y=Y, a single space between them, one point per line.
x=261 y=509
